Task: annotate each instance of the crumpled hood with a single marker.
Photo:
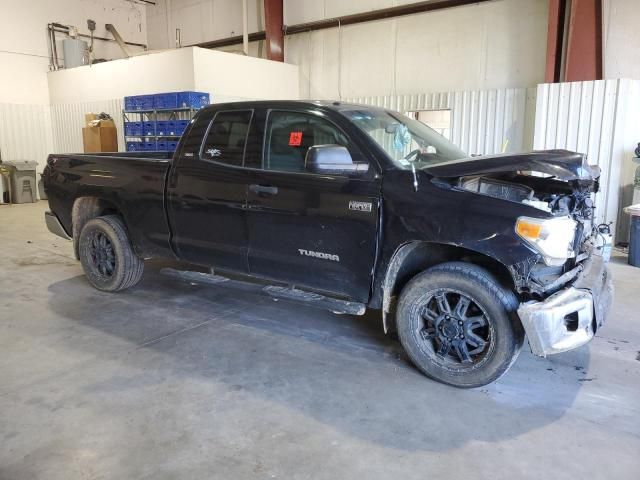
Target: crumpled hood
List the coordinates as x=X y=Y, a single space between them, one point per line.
x=562 y=164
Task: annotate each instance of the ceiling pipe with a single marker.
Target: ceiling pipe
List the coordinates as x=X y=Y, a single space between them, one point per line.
x=382 y=14
x=245 y=28
x=58 y=27
x=116 y=35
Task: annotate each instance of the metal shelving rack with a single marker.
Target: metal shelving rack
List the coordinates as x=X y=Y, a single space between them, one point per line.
x=152 y=115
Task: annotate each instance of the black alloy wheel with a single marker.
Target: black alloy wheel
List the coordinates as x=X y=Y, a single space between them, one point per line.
x=455 y=329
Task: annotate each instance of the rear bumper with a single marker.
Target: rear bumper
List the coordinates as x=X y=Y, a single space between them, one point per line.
x=569 y=318
x=54 y=225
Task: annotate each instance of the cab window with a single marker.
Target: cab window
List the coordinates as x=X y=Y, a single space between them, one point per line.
x=227 y=136
x=290 y=134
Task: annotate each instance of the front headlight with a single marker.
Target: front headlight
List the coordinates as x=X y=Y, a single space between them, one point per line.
x=552 y=237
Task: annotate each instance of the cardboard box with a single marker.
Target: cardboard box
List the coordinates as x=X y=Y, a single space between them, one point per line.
x=89 y=117
x=100 y=138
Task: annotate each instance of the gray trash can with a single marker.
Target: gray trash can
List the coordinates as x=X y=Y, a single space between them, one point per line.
x=4 y=185
x=24 y=185
x=634 y=234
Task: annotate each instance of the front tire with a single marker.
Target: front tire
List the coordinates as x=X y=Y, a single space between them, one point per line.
x=456 y=324
x=107 y=256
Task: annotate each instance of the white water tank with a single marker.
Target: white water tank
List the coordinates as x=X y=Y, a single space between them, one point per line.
x=76 y=52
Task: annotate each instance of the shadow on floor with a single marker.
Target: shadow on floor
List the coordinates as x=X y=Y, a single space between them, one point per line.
x=341 y=371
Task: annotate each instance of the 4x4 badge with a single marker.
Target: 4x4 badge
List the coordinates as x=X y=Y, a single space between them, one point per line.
x=360 y=206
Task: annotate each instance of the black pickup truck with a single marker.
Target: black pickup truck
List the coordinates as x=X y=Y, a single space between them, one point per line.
x=348 y=207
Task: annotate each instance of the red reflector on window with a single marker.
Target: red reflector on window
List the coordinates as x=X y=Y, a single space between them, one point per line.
x=295 y=139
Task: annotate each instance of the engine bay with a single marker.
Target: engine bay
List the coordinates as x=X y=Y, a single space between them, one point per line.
x=560 y=198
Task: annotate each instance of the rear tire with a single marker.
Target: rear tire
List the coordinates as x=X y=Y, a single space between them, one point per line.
x=107 y=256
x=457 y=325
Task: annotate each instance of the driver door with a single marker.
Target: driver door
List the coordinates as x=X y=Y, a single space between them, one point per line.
x=318 y=231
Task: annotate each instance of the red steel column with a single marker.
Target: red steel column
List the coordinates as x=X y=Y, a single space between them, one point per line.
x=273 y=19
x=584 y=46
x=555 y=35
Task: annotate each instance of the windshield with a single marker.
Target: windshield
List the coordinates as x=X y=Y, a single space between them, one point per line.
x=405 y=141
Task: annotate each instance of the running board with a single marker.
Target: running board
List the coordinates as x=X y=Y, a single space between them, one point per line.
x=310 y=299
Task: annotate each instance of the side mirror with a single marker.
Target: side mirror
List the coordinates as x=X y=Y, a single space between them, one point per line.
x=330 y=159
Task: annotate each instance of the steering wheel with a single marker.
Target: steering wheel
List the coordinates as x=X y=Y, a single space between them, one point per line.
x=415 y=152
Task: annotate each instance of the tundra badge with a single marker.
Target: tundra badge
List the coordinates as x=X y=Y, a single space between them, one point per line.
x=324 y=256
x=360 y=206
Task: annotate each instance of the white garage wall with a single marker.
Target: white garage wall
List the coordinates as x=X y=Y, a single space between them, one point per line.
x=482 y=121
x=602 y=120
x=101 y=88
x=621 y=19
x=24 y=48
x=493 y=45
x=25 y=122
x=68 y=119
x=499 y=44
x=25 y=132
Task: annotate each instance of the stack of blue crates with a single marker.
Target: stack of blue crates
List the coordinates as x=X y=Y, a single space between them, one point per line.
x=166 y=101
x=157 y=134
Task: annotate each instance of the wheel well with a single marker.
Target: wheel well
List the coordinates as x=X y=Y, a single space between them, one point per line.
x=412 y=258
x=85 y=209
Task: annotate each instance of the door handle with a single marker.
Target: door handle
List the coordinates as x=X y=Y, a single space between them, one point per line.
x=268 y=189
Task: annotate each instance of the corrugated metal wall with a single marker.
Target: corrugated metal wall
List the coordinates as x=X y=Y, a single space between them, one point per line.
x=25 y=132
x=68 y=120
x=593 y=118
x=482 y=121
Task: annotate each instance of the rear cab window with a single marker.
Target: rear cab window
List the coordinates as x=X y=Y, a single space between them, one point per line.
x=226 y=138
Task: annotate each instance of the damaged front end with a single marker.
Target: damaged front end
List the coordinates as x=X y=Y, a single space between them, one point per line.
x=564 y=286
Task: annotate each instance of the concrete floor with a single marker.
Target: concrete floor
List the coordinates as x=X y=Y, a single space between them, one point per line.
x=169 y=380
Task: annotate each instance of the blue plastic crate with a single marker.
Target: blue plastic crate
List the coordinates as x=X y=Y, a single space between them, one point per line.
x=181 y=125
x=131 y=103
x=163 y=101
x=161 y=146
x=150 y=146
x=170 y=127
x=148 y=128
x=193 y=99
x=161 y=127
x=134 y=146
x=146 y=102
x=128 y=128
x=171 y=146
x=133 y=129
x=138 y=102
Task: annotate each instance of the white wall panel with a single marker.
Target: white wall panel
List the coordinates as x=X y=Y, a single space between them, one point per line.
x=68 y=119
x=25 y=132
x=599 y=119
x=475 y=47
x=482 y=121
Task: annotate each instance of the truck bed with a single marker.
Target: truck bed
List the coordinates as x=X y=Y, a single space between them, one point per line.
x=133 y=183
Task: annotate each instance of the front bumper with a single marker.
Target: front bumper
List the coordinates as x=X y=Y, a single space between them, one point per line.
x=54 y=225
x=569 y=318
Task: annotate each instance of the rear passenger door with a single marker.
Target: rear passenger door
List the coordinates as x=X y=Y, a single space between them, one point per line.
x=312 y=230
x=207 y=190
